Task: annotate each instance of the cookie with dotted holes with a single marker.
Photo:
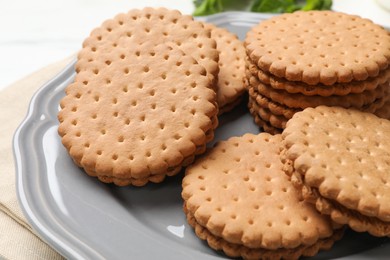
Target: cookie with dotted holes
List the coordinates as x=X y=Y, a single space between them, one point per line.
x=140 y=118
x=369 y=100
x=319 y=47
x=341 y=160
x=128 y=32
x=340 y=89
x=231 y=76
x=238 y=198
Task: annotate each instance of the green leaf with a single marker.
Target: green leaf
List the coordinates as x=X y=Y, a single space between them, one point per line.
x=326 y=5
x=312 y=5
x=271 y=6
x=236 y=5
x=197 y=3
x=289 y=6
x=208 y=7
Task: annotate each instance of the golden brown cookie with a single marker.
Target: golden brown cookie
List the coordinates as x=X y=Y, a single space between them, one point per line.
x=266 y=115
x=340 y=89
x=340 y=158
x=139 y=118
x=128 y=32
x=231 y=249
x=265 y=125
x=274 y=107
x=231 y=76
x=319 y=47
x=366 y=100
x=238 y=198
x=380 y=107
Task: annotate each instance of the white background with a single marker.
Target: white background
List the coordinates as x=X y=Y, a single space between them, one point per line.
x=35 y=33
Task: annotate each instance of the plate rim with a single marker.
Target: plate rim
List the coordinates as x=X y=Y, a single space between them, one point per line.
x=33 y=220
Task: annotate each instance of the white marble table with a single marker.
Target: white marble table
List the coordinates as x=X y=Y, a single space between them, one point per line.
x=36 y=33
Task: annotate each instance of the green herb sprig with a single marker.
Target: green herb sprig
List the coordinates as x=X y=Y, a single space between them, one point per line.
x=207 y=7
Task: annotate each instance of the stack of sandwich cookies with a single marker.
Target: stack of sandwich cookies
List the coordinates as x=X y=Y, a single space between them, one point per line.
x=255 y=102
x=307 y=59
x=238 y=198
x=340 y=160
x=284 y=106
x=264 y=117
x=231 y=77
x=141 y=106
x=320 y=89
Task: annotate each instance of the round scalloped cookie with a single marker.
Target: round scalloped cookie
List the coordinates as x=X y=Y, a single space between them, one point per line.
x=137 y=114
x=319 y=47
x=128 y=32
x=234 y=250
x=231 y=77
x=239 y=194
x=342 y=159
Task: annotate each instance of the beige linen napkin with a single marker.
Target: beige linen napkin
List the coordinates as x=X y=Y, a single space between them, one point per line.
x=17 y=239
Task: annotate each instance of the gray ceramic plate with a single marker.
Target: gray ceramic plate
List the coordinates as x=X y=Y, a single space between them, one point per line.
x=83 y=218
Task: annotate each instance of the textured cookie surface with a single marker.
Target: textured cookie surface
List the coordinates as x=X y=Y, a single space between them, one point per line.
x=319 y=47
x=235 y=250
x=345 y=156
x=239 y=193
x=128 y=32
x=231 y=76
x=130 y=117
